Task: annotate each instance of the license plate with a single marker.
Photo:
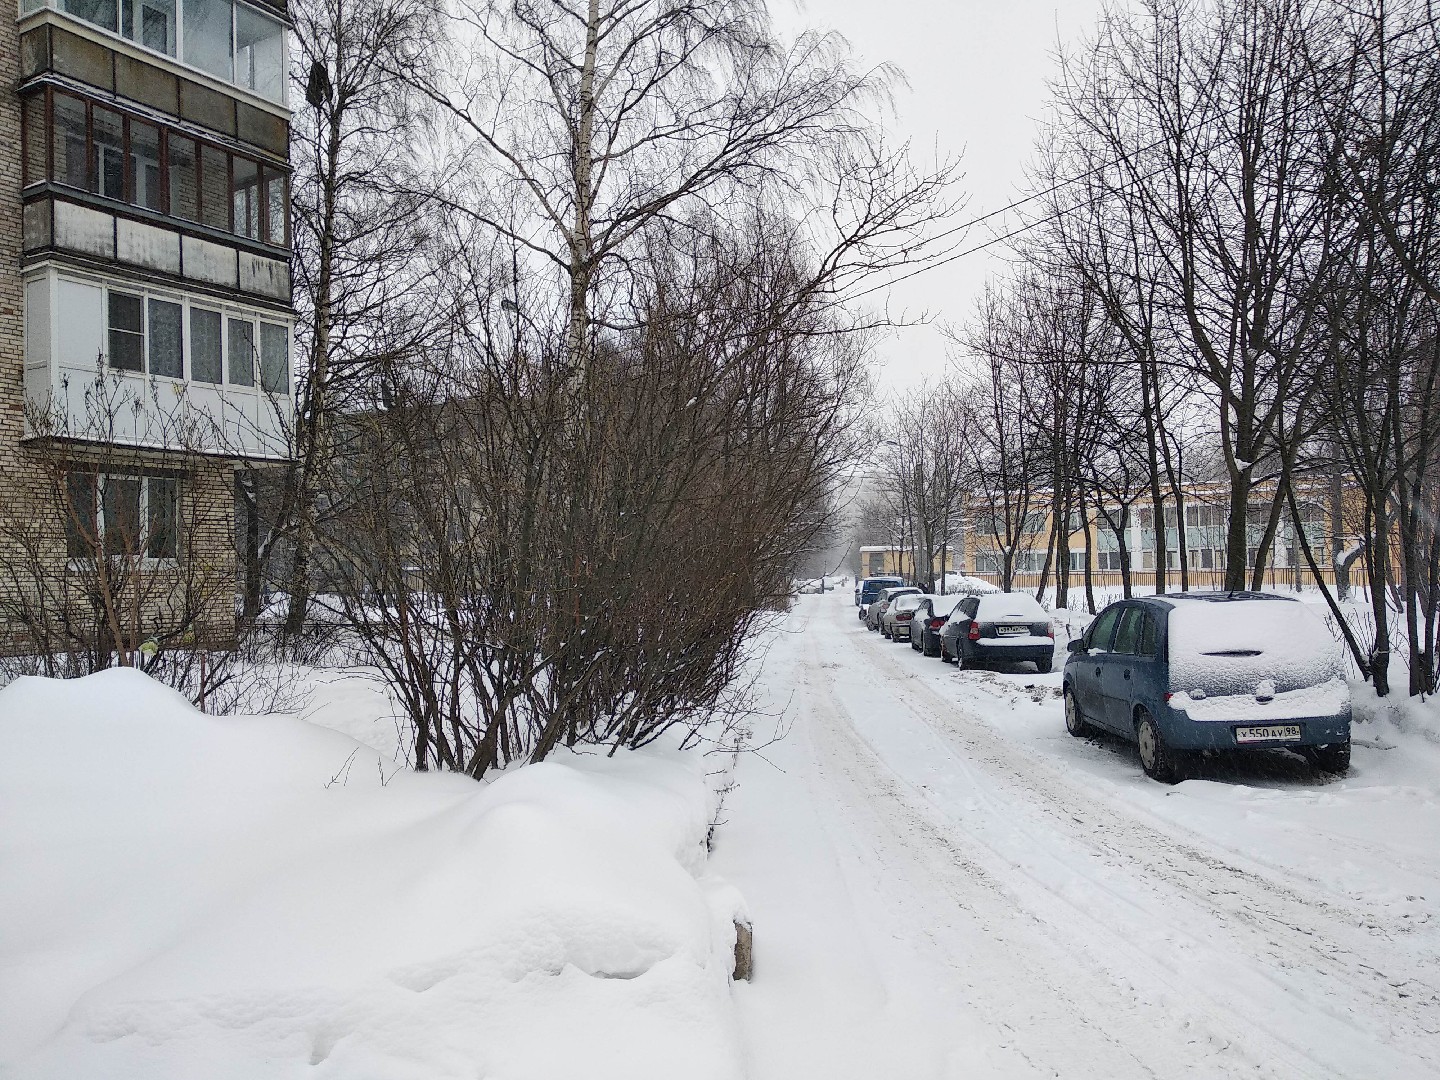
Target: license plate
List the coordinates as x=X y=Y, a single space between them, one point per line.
x=1268 y=733
x=1012 y=631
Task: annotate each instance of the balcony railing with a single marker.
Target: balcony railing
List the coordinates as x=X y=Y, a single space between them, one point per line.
x=233 y=42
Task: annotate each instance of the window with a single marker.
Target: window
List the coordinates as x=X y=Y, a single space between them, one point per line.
x=122 y=515
x=205 y=348
x=1131 y=631
x=147 y=188
x=275 y=207
x=245 y=197
x=1102 y=629
x=274 y=358
x=107 y=163
x=214 y=187
x=259 y=53
x=127 y=331
x=70 y=143
x=149 y=22
x=209 y=37
x=184 y=177
x=166 y=352
x=240 y=344
x=33 y=136
x=103 y=13
x=94 y=148
x=81 y=523
x=231 y=41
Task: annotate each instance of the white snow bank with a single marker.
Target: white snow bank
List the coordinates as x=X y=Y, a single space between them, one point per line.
x=230 y=897
x=1230 y=647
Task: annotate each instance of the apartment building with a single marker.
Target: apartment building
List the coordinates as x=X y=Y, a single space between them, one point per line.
x=145 y=304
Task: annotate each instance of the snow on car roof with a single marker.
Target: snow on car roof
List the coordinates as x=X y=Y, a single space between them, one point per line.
x=908 y=601
x=1009 y=606
x=944 y=605
x=1241 y=641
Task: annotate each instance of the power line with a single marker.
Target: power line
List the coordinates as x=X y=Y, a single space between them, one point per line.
x=1087 y=174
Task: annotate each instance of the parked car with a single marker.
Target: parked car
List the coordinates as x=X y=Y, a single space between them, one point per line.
x=867 y=590
x=929 y=620
x=876 y=610
x=1188 y=672
x=895 y=622
x=1008 y=627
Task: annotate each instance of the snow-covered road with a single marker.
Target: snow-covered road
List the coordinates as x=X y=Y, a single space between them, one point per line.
x=944 y=884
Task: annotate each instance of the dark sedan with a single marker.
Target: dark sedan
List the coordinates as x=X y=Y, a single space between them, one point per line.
x=929 y=620
x=1003 y=627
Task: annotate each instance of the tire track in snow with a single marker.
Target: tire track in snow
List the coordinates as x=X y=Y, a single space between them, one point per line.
x=1058 y=1007
x=1292 y=937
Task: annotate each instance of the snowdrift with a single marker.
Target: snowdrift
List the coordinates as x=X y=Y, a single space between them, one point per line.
x=230 y=897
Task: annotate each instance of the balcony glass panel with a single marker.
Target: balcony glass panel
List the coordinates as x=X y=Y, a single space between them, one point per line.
x=108 y=132
x=214 y=187
x=146 y=185
x=259 y=53
x=71 y=165
x=209 y=40
x=150 y=23
x=205 y=347
x=34 y=121
x=103 y=13
x=245 y=197
x=166 y=352
x=127 y=331
x=274 y=358
x=275 y=204
x=231 y=41
x=241 y=347
x=184 y=177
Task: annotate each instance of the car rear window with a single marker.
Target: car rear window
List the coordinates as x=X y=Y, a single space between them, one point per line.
x=1020 y=607
x=1226 y=647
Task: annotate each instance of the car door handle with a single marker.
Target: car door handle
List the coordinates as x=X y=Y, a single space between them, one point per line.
x=1097 y=671
x=1127 y=673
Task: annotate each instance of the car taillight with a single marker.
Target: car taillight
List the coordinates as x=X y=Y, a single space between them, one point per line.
x=904 y=615
x=974 y=631
x=936 y=624
x=1050 y=631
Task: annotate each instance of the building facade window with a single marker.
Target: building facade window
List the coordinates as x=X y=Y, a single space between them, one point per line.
x=125 y=317
x=234 y=42
x=133 y=160
x=166 y=335
x=121 y=514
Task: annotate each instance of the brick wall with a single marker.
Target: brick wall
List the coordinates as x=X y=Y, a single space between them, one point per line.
x=33 y=562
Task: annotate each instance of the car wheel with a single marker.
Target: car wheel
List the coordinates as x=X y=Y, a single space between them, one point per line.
x=944 y=652
x=1157 y=759
x=929 y=651
x=1075 y=722
x=1044 y=667
x=1334 y=758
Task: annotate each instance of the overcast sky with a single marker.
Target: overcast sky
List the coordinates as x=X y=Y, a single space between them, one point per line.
x=976 y=71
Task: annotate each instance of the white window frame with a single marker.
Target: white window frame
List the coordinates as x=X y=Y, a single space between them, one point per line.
x=146 y=560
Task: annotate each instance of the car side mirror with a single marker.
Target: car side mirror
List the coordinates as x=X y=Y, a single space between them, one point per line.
x=1077 y=645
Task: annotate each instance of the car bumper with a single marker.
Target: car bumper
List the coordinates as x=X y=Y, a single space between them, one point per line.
x=1182 y=733
x=1038 y=654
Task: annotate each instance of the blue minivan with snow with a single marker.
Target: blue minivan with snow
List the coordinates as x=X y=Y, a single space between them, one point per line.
x=1187 y=672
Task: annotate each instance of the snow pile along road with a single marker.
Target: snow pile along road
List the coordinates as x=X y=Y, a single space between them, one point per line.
x=193 y=896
